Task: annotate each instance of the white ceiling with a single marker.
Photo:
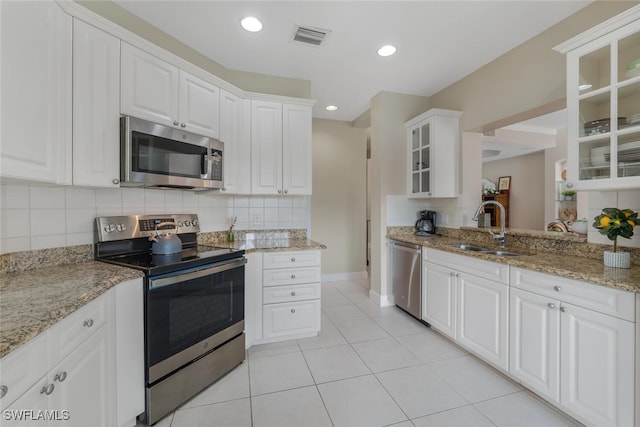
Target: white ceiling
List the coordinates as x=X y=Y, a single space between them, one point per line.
x=438 y=42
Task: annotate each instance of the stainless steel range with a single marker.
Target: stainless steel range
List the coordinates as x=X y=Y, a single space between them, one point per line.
x=194 y=304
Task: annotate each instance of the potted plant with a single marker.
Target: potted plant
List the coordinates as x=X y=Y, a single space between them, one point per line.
x=614 y=222
x=568 y=194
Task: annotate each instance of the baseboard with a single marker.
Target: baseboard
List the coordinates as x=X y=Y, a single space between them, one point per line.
x=341 y=277
x=381 y=300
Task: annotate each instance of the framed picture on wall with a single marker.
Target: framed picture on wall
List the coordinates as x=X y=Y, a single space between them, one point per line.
x=504 y=184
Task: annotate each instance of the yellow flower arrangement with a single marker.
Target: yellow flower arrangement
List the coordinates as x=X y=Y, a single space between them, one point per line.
x=614 y=222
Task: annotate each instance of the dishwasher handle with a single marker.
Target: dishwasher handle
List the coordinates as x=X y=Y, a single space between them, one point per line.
x=407 y=247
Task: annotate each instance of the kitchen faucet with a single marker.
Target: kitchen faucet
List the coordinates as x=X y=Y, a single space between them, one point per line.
x=499 y=237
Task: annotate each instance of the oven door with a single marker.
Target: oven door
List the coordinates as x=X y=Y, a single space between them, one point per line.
x=190 y=313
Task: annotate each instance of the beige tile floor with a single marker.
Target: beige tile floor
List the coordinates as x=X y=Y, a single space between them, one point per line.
x=370 y=366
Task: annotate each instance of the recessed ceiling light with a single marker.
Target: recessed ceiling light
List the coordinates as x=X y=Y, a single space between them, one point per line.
x=251 y=24
x=331 y=108
x=387 y=50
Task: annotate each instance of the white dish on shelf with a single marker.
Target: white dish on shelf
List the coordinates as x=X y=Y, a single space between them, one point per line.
x=633 y=73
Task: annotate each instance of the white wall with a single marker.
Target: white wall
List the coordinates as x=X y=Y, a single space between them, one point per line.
x=38 y=217
x=338 y=203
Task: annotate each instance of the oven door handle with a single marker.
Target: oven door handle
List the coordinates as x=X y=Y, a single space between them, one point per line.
x=181 y=277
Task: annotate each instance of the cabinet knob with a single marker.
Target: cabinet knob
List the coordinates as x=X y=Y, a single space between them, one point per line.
x=451 y=273
x=47 y=389
x=286 y=191
x=293 y=293
x=457 y=274
x=293 y=276
x=183 y=125
x=279 y=191
x=175 y=123
x=3 y=391
x=551 y=305
x=569 y=185
x=60 y=376
x=115 y=181
x=224 y=188
x=88 y=323
x=563 y=309
x=557 y=288
x=293 y=310
x=293 y=260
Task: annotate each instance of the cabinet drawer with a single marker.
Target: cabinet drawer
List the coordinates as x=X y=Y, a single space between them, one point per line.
x=70 y=332
x=291 y=318
x=291 y=259
x=22 y=368
x=274 y=294
x=290 y=276
x=467 y=264
x=598 y=298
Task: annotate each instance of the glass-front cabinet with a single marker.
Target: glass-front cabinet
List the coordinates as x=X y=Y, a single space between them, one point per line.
x=603 y=104
x=433 y=154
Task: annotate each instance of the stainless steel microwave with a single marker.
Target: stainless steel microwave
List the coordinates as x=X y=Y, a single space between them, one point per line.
x=154 y=155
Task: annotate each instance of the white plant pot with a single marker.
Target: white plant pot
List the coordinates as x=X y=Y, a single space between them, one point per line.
x=617 y=259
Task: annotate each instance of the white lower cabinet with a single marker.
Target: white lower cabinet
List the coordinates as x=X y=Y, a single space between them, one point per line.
x=471 y=309
x=282 y=296
x=68 y=374
x=580 y=358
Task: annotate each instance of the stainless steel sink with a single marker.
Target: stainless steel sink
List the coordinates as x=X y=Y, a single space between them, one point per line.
x=466 y=247
x=501 y=253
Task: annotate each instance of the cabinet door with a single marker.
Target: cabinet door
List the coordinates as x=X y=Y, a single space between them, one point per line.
x=483 y=316
x=296 y=149
x=24 y=411
x=597 y=365
x=84 y=384
x=149 y=87
x=534 y=346
x=439 y=298
x=96 y=107
x=35 y=128
x=420 y=164
x=199 y=106
x=266 y=147
x=235 y=118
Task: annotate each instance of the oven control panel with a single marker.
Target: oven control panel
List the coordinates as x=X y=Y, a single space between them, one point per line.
x=112 y=228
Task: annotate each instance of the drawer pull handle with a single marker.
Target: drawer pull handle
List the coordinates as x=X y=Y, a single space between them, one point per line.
x=293 y=260
x=47 y=389
x=293 y=294
x=88 y=323
x=293 y=310
x=557 y=288
x=3 y=391
x=293 y=276
x=61 y=376
x=563 y=309
x=551 y=305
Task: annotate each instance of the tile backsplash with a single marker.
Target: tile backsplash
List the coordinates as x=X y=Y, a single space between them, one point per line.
x=40 y=217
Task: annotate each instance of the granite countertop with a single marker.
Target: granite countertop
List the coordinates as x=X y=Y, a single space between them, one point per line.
x=271 y=245
x=33 y=300
x=585 y=269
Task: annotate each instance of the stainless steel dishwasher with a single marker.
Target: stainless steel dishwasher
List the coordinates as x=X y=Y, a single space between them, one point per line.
x=404 y=274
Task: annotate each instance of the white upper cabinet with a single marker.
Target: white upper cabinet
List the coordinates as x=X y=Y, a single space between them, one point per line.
x=433 y=154
x=281 y=148
x=603 y=104
x=235 y=116
x=155 y=90
x=35 y=128
x=96 y=107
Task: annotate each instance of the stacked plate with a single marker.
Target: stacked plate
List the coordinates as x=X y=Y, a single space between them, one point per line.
x=627 y=153
x=635 y=119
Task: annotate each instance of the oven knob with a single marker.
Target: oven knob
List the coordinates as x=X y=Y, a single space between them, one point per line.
x=194 y=222
x=112 y=228
x=119 y=227
x=124 y=227
x=180 y=224
x=187 y=223
x=106 y=228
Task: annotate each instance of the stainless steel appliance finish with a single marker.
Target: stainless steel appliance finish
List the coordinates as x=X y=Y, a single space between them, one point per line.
x=426 y=224
x=193 y=306
x=153 y=155
x=405 y=272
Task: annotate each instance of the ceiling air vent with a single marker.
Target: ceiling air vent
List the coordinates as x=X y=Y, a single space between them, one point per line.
x=309 y=35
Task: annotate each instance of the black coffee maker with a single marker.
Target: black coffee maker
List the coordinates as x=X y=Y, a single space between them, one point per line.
x=426 y=225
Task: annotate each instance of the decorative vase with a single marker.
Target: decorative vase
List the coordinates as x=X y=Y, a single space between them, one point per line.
x=617 y=259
